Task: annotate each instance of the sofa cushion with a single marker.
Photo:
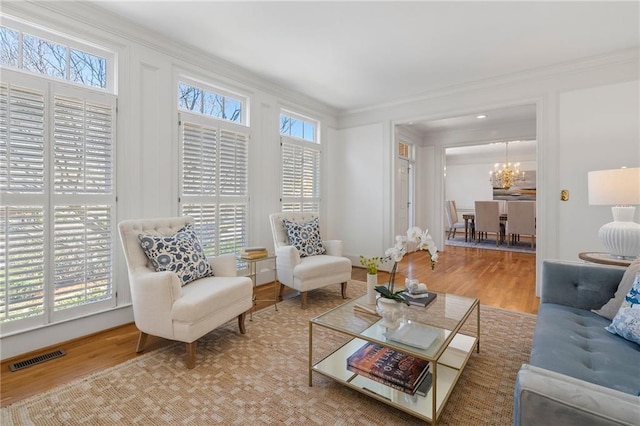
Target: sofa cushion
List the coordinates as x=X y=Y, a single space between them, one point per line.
x=626 y=323
x=180 y=253
x=316 y=266
x=610 y=309
x=574 y=342
x=209 y=296
x=305 y=237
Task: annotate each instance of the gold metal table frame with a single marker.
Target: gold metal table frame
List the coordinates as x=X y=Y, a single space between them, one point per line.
x=448 y=355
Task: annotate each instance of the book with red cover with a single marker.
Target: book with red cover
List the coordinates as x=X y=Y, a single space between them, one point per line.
x=395 y=367
x=426 y=375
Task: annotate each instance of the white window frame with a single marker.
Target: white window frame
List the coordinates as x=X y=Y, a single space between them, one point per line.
x=243 y=99
x=67 y=41
x=211 y=209
x=294 y=197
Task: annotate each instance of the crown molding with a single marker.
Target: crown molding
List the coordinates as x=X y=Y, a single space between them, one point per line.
x=625 y=56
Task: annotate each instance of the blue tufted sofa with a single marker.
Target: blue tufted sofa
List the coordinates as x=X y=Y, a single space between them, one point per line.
x=579 y=373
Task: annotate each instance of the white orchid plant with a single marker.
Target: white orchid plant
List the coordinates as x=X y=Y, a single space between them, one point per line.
x=396 y=253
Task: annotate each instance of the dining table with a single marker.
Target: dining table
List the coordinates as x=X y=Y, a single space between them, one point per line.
x=471 y=218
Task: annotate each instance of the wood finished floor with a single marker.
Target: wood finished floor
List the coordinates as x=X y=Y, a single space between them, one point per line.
x=500 y=279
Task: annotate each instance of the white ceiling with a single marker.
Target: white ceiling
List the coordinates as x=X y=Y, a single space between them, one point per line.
x=518 y=151
x=350 y=55
x=493 y=119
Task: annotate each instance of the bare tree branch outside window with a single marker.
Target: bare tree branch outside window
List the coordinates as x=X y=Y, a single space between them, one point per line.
x=192 y=98
x=44 y=57
x=51 y=59
x=9 y=40
x=88 y=69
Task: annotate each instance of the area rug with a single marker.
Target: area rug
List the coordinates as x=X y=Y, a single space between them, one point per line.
x=518 y=247
x=260 y=378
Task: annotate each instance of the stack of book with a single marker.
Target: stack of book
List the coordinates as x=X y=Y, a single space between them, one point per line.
x=392 y=368
x=253 y=252
x=418 y=299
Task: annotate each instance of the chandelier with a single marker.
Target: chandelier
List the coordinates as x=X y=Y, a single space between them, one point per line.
x=506 y=176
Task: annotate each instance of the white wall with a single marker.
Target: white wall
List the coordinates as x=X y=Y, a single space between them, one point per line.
x=357 y=185
x=598 y=130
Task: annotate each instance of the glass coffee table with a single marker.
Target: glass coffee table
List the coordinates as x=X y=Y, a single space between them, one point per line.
x=432 y=333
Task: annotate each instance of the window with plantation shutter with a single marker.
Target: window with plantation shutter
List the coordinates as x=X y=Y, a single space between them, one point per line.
x=214 y=181
x=58 y=201
x=300 y=175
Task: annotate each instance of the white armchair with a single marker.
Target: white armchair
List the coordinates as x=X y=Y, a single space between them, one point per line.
x=164 y=307
x=311 y=272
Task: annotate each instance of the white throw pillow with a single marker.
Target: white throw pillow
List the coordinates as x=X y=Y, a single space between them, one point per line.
x=610 y=309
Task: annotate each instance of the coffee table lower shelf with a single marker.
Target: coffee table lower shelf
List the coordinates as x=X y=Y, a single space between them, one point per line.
x=447 y=373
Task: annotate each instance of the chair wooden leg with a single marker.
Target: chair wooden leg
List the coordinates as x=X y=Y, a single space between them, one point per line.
x=142 y=340
x=241 y=325
x=191 y=354
x=303 y=299
x=344 y=290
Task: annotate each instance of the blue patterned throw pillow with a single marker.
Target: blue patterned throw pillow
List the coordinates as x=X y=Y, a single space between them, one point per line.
x=180 y=253
x=626 y=323
x=305 y=237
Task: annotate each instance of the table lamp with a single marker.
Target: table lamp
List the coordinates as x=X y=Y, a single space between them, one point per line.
x=620 y=188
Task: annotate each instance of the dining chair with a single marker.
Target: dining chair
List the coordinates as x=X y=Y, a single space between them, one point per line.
x=487 y=219
x=453 y=221
x=521 y=220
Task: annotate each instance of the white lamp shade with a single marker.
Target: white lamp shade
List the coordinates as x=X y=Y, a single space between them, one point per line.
x=614 y=187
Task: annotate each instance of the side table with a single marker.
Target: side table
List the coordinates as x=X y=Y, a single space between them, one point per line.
x=603 y=258
x=253 y=274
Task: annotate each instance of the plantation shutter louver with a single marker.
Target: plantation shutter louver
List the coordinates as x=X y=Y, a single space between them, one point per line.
x=82 y=250
x=21 y=266
x=232 y=227
x=83 y=147
x=199 y=160
x=233 y=163
x=205 y=225
x=22 y=114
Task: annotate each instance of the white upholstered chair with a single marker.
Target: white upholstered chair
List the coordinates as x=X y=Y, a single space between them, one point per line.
x=311 y=272
x=453 y=221
x=163 y=307
x=487 y=219
x=521 y=220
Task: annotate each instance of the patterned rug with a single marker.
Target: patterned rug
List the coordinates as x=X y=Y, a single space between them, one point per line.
x=260 y=378
x=519 y=247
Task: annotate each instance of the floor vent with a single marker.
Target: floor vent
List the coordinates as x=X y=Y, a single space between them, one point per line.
x=36 y=360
